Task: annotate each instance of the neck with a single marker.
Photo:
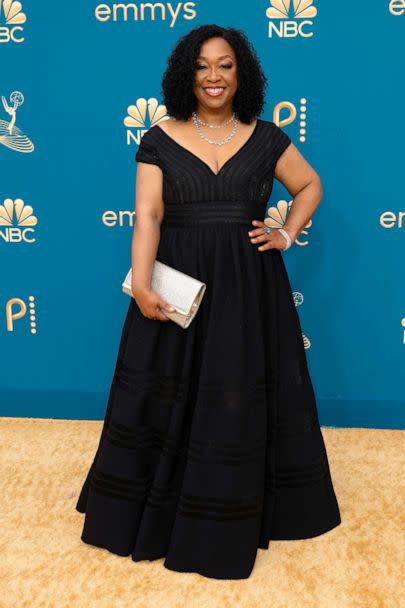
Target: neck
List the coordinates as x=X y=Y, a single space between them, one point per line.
x=215 y=117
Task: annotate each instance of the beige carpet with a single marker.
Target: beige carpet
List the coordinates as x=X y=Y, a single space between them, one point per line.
x=43 y=562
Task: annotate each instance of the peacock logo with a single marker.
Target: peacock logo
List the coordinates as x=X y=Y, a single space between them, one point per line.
x=277 y=216
x=307 y=341
x=11 y=20
x=17 y=221
x=292 y=19
x=281 y=9
x=140 y=117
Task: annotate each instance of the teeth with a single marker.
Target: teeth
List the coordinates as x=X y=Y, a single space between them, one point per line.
x=216 y=90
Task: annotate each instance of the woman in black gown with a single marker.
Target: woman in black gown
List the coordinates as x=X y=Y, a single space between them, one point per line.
x=211 y=444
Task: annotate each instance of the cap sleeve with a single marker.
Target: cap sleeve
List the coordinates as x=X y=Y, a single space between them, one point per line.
x=280 y=142
x=147 y=151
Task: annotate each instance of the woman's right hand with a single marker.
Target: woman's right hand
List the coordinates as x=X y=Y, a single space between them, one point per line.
x=149 y=302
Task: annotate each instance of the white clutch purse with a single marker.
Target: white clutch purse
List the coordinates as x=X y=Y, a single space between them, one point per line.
x=178 y=288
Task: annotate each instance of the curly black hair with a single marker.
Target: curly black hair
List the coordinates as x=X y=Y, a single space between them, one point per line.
x=178 y=78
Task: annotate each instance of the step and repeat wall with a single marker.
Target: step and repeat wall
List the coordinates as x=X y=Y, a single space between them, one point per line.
x=80 y=84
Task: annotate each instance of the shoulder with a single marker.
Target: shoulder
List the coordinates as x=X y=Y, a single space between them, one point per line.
x=156 y=134
x=156 y=129
x=271 y=126
x=277 y=140
x=151 y=134
x=148 y=151
x=276 y=134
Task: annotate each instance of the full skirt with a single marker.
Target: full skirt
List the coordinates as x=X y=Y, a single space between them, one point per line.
x=211 y=444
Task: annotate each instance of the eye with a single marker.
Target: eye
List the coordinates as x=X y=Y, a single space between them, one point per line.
x=226 y=66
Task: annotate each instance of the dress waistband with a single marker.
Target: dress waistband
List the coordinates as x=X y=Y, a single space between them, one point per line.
x=210 y=211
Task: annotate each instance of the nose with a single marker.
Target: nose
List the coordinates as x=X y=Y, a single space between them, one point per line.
x=213 y=76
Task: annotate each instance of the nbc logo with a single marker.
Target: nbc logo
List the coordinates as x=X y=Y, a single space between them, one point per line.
x=277 y=217
x=145 y=111
x=11 y=20
x=17 y=221
x=288 y=21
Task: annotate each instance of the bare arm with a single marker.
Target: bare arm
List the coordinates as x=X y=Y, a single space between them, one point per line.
x=149 y=211
x=304 y=185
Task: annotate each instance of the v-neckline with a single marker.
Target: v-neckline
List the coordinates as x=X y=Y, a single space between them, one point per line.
x=242 y=147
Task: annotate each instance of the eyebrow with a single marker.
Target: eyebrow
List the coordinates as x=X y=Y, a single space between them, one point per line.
x=222 y=57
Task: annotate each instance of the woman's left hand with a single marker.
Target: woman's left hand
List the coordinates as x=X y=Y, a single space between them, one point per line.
x=273 y=240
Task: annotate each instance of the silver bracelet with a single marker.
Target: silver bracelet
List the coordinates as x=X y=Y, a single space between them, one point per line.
x=287 y=238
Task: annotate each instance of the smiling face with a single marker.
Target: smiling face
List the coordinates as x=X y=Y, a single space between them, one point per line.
x=215 y=82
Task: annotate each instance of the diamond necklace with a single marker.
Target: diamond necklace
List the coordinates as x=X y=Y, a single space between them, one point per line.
x=220 y=142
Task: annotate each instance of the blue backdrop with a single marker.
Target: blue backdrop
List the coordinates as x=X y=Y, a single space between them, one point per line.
x=71 y=81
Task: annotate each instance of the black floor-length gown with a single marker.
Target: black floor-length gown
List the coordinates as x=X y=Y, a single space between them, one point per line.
x=211 y=444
